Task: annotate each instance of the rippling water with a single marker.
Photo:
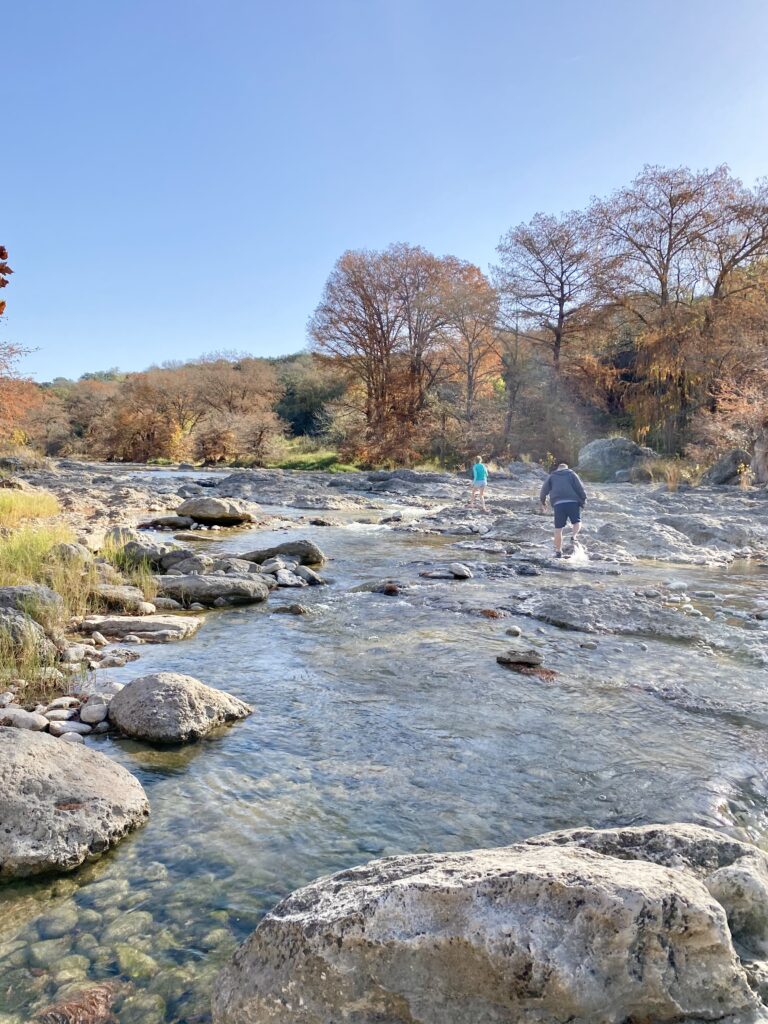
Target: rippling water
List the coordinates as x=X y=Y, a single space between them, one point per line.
x=381 y=725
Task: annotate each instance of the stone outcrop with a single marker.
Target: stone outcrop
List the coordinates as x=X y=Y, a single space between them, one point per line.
x=306 y=552
x=602 y=927
x=168 y=707
x=216 y=511
x=213 y=590
x=60 y=803
x=602 y=459
x=150 y=628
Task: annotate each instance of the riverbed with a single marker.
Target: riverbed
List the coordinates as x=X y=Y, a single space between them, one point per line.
x=382 y=725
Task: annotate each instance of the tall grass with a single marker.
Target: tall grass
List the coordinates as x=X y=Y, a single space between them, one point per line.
x=139 y=573
x=17 y=507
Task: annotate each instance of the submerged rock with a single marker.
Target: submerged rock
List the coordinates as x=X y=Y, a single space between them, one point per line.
x=169 y=707
x=586 y=926
x=60 y=803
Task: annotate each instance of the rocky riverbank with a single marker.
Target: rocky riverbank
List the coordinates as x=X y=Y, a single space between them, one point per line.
x=219 y=547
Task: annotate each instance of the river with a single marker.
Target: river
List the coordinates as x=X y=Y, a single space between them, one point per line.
x=383 y=725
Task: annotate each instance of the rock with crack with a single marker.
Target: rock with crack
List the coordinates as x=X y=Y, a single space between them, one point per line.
x=150 y=628
x=60 y=803
x=213 y=590
x=623 y=925
x=169 y=707
x=304 y=551
x=216 y=511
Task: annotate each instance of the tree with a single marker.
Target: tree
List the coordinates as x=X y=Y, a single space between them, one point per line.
x=471 y=340
x=545 y=277
x=383 y=318
x=650 y=235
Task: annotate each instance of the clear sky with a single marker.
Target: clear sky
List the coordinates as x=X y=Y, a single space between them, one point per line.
x=179 y=176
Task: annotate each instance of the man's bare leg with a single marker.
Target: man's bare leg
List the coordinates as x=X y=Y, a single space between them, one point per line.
x=559 y=541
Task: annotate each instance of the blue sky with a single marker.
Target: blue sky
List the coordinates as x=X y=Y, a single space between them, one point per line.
x=179 y=177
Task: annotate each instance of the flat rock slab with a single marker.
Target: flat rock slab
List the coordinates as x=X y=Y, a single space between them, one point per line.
x=217 y=511
x=209 y=590
x=152 y=628
x=60 y=803
x=168 y=707
x=559 y=929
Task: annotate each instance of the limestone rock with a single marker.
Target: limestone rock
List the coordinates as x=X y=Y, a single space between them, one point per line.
x=20 y=719
x=30 y=597
x=168 y=707
x=151 y=628
x=221 y=511
x=60 y=803
x=25 y=635
x=121 y=598
x=544 y=932
x=604 y=458
x=206 y=590
x=306 y=552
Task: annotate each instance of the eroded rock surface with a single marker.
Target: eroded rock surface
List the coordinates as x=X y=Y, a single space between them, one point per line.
x=599 y=927
x=168 y=707
x=60 y=803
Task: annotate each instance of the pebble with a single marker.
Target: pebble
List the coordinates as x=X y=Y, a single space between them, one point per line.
x=59 y=728
x=513 y=631
x=677 y=586
x=72 y=737
x=589 y=645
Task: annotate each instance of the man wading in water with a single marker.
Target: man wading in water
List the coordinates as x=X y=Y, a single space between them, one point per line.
x=567 y=498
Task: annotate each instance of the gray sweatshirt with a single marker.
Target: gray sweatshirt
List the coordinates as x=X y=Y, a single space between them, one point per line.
x=563 y=485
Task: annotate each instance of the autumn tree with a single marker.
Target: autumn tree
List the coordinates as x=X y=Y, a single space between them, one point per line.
x=383 y=317
x=545 y=276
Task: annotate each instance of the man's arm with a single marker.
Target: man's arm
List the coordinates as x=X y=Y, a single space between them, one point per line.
x=546 y=487
x=579 y=488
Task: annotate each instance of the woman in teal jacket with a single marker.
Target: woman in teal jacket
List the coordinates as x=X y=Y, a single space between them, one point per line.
x=479 y=483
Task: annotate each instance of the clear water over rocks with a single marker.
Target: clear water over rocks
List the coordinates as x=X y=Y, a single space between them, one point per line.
x=383 y=724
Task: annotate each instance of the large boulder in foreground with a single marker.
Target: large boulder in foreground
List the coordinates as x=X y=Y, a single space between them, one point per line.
x=60 y=803
x=602 y=459
x=213 y=590
x=598 y=927
x=306 y=552
x=168 y=707
x=216 y=511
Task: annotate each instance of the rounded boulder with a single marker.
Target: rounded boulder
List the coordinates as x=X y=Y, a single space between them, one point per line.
x=168 y=707
x=60 y=804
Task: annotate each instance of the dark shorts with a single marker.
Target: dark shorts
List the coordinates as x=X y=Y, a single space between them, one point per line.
x=565 y=510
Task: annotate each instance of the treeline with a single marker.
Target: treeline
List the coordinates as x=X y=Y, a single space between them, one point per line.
x=646 y=313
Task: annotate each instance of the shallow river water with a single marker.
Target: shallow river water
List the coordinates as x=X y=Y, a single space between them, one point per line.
x=381 y=725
